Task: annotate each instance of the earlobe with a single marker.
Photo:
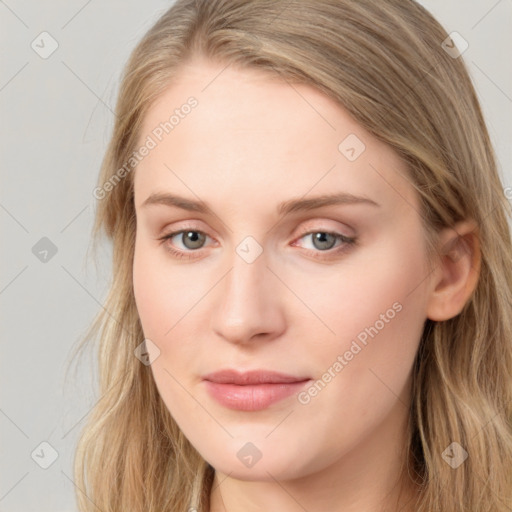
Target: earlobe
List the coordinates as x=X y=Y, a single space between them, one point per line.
x=456 y=274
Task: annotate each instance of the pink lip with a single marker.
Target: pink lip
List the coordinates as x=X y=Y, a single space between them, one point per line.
x=251 y=391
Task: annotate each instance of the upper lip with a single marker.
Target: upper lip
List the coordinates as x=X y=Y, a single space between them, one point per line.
x=230 y=376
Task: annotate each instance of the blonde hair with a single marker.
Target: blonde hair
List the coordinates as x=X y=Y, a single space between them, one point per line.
x=385 y=64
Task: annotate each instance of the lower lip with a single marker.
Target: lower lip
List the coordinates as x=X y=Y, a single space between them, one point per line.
x=252 y=397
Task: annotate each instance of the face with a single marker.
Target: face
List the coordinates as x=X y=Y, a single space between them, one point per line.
x=266 y=276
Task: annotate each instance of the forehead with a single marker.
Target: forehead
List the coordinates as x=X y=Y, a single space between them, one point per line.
x=252 y=131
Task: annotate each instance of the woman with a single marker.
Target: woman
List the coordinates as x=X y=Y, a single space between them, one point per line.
x=310 y=305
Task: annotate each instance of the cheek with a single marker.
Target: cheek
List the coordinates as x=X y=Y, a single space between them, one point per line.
x=160 y=308
x=369 y=283
x=375 y=310
x=146 y=295
x=166 y=298
x=160 y=293
x=363 y=370
x=154 y=291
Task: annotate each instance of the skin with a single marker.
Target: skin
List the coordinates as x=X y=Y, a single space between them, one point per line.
x=251 y=143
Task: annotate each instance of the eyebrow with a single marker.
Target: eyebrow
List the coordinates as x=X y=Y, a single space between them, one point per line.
x=284 y=208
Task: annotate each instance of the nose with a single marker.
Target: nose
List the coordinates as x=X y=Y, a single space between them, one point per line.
x=247 y=303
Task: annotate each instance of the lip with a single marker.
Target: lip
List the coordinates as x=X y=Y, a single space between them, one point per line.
x=253 y=390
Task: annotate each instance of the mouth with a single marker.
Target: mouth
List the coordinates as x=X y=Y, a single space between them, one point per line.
x=252 y=391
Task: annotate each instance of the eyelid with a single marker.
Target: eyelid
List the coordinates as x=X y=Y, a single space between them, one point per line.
x=316 y=228
x=309 y=228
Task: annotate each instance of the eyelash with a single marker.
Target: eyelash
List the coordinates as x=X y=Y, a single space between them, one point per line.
x=348 y=242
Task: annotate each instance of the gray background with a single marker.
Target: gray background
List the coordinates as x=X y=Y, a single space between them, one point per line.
x=56 y=117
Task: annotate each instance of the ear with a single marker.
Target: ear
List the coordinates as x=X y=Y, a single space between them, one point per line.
x=456 y=273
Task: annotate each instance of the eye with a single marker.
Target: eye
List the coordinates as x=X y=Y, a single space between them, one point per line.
x=192 y=240
x=324 y=241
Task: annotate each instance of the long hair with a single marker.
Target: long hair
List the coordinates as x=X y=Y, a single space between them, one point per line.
x=387 y=64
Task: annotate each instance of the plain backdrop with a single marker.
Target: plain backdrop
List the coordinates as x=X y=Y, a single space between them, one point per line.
x=56 y=118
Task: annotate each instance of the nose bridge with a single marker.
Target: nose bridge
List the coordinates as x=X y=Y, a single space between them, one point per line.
x=247 y=303
x=247 y=278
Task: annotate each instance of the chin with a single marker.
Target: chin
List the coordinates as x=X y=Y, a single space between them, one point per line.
x=264 y=465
